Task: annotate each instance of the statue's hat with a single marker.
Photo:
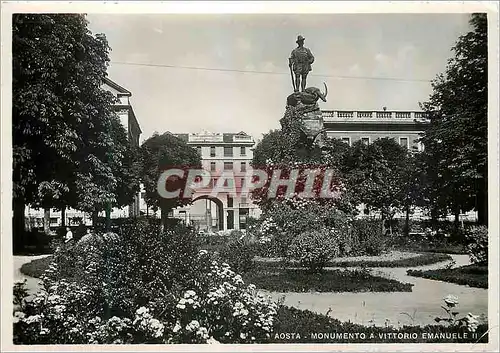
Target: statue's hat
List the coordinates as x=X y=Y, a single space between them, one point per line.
x=300 y=39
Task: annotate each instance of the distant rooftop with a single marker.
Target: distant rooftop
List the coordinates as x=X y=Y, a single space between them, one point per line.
x=216 y=137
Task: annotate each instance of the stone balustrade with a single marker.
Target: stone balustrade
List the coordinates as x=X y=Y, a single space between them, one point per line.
x=349 y=114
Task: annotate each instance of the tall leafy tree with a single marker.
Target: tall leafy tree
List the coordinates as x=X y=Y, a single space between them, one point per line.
x=455 y=140
x=159 y=153
x=63 y=148
x=378 y=174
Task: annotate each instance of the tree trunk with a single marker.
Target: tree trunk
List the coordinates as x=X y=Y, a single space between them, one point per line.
x=18 y=224
x=108 y=217
x=63 y=216
x=456 y=221
x=407 y=221
x=95 y=216
x=164 y=219
x=46 y=221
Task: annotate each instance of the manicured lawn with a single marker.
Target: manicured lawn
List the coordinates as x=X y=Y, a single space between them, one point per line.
x=303 y=326
x=298 y=280
x=471 y=275
x=37 y=267
x=420 y=260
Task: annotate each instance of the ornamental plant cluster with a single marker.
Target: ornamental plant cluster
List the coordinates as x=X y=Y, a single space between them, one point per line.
x=313 y=233
x=477 y=248
x=129 y=290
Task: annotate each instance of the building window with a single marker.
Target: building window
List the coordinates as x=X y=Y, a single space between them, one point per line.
x=365 y=140
x=228 y=151
x=243 y=166
x=53 y=220
x=346 y=140
x=243 y=151
x=198 y=148
x=229 y=201
x=403 y=141
x=228 y=165
x=243 y=200
x=212 y=166
x=212 y=151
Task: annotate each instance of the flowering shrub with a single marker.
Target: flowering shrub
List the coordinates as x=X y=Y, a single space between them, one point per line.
x=477 y=247
x=313 y=249
x=139 y=289
x=470 y=321
x=288 y=218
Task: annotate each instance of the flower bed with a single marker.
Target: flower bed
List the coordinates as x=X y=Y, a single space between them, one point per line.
x=299 y=280
x=143 y=286
x=420 y=260
x=303 y=326
x=470 y=275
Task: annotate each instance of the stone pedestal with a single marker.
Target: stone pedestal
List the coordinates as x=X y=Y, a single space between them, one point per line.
x=313 y=124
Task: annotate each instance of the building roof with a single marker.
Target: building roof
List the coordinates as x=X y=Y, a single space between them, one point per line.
x=116 y=86
x=227 y=137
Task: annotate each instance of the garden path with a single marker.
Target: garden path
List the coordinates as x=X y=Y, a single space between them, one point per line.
x=418 y=307
x=422 y=304
x=31 y=282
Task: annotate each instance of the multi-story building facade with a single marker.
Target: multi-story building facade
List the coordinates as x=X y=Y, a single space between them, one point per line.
x=125 y=112
x=367 y=126
x=221 y=153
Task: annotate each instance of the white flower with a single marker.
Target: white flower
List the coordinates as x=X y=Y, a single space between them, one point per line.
x=177 y=327
x=141 y=311
x=19 y=315
x=203 y=252
x=31 y=319
x=193 y=325
x=451 y=300
x=44 y=331
x=472 y=322
x=243 y=336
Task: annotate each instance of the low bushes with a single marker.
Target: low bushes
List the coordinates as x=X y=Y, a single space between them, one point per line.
x=141 y=286
x=477 y=247
x=471 y=275
x=368 y=237
x=313 y=249
x=238 y=252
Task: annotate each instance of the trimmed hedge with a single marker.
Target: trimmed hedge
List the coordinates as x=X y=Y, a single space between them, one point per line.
x=470 y=275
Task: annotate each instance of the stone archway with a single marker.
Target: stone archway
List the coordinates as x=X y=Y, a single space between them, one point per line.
x=220 y=208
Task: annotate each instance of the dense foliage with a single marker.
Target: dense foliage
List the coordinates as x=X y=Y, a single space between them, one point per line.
x=159 y=153
x=69 y=148
x=142 y=286
x=455 y=139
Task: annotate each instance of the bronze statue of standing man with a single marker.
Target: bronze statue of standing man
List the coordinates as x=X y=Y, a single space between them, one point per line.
x=300 y=62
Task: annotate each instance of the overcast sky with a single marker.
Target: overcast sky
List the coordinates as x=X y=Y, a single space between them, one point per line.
x=412 y=47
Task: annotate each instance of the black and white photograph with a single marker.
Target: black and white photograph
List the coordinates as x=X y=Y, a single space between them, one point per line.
x=250 y=177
